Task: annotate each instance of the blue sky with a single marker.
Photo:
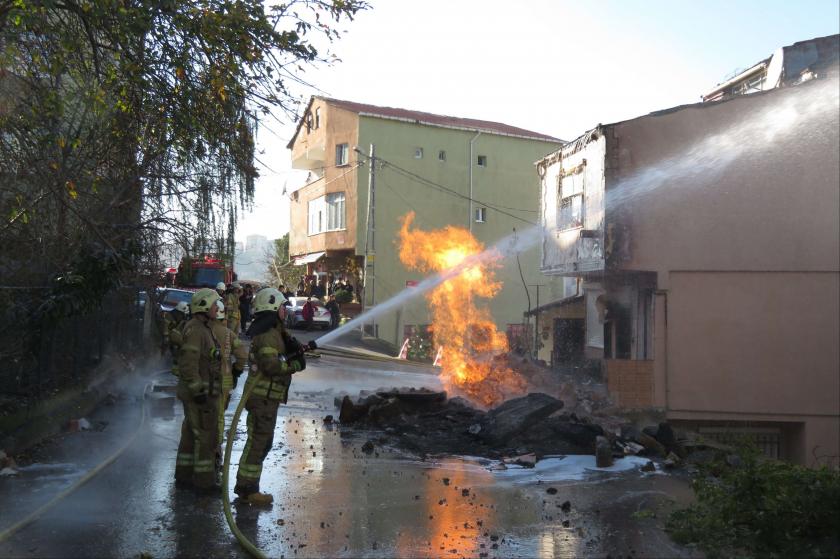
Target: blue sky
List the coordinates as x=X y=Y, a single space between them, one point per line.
x=556 y=67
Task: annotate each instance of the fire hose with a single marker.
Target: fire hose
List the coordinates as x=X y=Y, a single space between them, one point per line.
x=37 y=513
x=297 y=352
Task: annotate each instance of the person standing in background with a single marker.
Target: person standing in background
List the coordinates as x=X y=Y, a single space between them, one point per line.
x=245 y=306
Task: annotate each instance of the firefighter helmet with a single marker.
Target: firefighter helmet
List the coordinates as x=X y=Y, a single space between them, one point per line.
x=183 y=307
x=202 y=300
x=268 y=300
x=221 y=314
x=220 y=286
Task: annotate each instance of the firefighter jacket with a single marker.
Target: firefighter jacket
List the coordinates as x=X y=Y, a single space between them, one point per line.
x=271 y=376
x=232 y=306
x=230 y=346
x=199 y=361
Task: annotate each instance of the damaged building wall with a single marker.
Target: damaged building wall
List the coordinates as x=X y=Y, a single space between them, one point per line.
x=734 y=206
x=572 y=206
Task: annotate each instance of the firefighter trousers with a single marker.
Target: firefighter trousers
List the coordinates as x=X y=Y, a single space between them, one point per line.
x=262 y=418
x=234 y=323
x=196 y=460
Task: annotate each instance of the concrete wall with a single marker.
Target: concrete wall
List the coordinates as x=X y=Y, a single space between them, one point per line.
x=507 y=180
x=736 y=208
x=337 y=126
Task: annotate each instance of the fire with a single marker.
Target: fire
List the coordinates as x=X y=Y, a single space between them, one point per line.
x=466 y=332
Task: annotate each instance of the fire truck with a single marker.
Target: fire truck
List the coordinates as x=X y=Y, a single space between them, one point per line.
x=205 y=270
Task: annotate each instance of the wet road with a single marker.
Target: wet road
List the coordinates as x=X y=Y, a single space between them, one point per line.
x=330 y=498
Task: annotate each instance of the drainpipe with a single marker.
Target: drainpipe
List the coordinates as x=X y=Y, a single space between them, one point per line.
x=471 y=163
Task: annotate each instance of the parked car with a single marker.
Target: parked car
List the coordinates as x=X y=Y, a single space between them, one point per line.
x=294 y=313
x=170 y=297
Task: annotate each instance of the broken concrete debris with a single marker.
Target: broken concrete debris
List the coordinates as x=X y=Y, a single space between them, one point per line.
x=518 y=432
x=603 y=452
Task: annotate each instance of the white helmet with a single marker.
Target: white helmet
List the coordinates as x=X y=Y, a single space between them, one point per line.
x=220 y=286
x=236 y=285
x=268 y=299
x=221 y=314
x=183 y=307
x=202 y=299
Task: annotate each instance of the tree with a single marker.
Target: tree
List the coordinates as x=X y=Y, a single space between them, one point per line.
x=127 y=126
x=280 y=270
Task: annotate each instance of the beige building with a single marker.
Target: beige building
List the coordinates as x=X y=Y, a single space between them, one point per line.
x=448 y=170
x=705 y=238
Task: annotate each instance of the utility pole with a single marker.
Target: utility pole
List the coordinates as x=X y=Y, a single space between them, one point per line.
x=537 y=320
x=369 y=281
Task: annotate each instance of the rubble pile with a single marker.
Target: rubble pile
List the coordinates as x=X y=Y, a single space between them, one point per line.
x=520 y=431
x=427 y=422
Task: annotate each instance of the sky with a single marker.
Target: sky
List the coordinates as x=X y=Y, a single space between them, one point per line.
x=551 y=66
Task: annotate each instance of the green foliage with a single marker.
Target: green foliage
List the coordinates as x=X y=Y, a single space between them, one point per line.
x=762 y=508
x=421 y=347
x=343 y=296
x=280 y=270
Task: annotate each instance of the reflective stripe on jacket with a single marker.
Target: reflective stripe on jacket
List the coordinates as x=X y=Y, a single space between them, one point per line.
x=266 y=370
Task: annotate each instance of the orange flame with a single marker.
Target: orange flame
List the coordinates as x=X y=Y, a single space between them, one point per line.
x=466 y=333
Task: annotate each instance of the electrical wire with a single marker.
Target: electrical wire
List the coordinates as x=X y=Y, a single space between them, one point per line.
x=423 y=180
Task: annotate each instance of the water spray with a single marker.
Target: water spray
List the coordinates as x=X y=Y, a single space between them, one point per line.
x=514 y=243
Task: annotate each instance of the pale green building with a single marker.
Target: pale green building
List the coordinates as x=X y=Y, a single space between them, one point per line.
x=430 y=164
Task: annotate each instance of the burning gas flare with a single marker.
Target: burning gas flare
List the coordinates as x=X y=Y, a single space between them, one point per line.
x=465 y=332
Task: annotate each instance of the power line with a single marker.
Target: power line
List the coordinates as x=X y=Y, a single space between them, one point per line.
x=423 y=180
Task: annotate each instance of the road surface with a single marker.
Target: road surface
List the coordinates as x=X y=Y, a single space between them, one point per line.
x=330 y=498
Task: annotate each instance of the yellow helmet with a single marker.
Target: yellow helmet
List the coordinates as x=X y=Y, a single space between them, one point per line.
x=221 y=314
x=268 y=300
x=203 y=299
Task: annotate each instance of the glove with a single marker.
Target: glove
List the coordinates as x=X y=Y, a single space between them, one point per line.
x=198 y=391
x=236 y=373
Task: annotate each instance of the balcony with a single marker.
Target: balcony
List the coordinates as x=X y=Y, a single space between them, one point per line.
x=572 y=252
x=310 y=153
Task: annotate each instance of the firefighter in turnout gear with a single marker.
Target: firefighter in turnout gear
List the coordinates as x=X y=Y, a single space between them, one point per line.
x=173 y=328
x=232 y=308
x=199 y=389
x=271 y=375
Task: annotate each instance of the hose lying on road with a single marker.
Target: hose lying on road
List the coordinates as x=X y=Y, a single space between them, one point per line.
x=245 y=542
x=37 y=513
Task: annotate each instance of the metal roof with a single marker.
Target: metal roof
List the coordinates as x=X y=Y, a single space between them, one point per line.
x=428 y=119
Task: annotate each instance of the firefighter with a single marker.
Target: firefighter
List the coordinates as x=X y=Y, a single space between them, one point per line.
x=221 y=289
x=271 y=376
x=173 y=327
x=199 y=388
x=232 y=307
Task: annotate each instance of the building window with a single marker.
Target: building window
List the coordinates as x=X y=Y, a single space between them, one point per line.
x=335 y=211
x=441 y=155
x=308 y=123
x=570 y=187
x=418 y=153
x=317 y=209
x=342 y=154
x=326 y=213
x=480 y=215
x=317 y=118
x=482 y=161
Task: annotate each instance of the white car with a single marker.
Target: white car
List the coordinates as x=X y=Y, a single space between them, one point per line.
x=294 y=313
x=170 y=297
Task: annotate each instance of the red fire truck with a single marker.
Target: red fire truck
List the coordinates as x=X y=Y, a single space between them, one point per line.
x=205 y=270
